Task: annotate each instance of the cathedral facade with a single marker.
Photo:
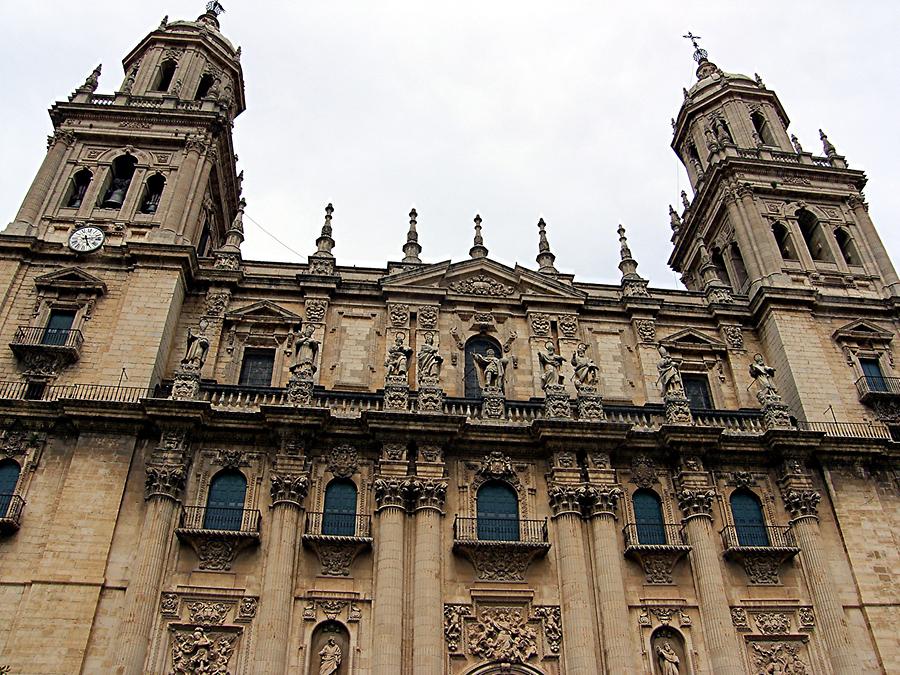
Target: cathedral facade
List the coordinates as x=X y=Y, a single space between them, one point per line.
x=459 y=468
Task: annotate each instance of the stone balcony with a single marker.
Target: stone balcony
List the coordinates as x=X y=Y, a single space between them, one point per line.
x=500 y=549
x=11 y=507
x=761 y=549
x=657 y=548
x=337 y=538
x=43 y=352
x=218 y=534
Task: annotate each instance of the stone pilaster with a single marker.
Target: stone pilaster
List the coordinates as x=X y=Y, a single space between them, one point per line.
x=579 y=646
x=30 y=211
x=166 y=474
x=590 y=404
x=396 y=393
x=428 y=646
x=802 y=502
x=288 y=488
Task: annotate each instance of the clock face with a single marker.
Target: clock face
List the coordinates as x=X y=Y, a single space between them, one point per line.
x=86 y=239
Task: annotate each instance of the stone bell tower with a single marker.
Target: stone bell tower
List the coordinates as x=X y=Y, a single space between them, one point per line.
x=153 y=162
x=770 y=213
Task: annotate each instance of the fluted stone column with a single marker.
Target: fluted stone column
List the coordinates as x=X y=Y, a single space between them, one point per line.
x=577 y=615
x=166 y=473
x=277 y=594
x=185 y=182
x=621 y=654
x=428 y=617
x=30 y=210
x=832 y=622
x=721 y=640
x=387 y=606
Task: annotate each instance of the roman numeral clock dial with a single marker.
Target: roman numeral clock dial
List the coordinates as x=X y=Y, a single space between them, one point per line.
x=86 y=239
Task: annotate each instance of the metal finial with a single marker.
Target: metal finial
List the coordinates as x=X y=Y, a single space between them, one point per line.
x=700 y=54
x=215 y=8
x=478 y=250
x=545 y=257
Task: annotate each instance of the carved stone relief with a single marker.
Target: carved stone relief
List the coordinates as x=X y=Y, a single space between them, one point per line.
x=503 y=635
x=315 y=310
x=208 y=613
x=343 y=461
x=482 y=284
x=540 y=325
x=196 y=651
x=772 y=623
x=428 y=317
x=778 y=657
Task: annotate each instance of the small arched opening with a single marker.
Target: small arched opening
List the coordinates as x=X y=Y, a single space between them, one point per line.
x=339 y=511
x=165 y=75
x=737 y=264
x=847 y=246
x=153 y=193
x=497 y=507
x=225 y=501
x=761 y=125
x=206 y=83
x=77 y=190
x=784 y=241
x=480 y=345
x=814 y=236
x=749 y=523
x=120 y=174
x=718 y=260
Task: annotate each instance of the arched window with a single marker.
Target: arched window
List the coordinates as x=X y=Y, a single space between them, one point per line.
x=719 y=261
x=784 y=241
x=749 y=523
x=762 y=127
x=814 y=236
x=80 y=183
x=725 y=129
x=847 y=246
x=121 y=173
x=165 y=75
x=479 y=344
x=339 y=518
x=9 y=478
x=498 y=512
x=206 y=83
x=648 y=516
x=737 y=264
x=225 y=501
x=153 y=193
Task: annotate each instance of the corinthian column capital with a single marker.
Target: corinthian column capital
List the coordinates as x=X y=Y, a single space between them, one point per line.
x=165 y=480
x=567 y=498
x=695 y=503
x=603 y=501
x=428 y=494
x=391 y=493
x=802 y=503
x=289 y=488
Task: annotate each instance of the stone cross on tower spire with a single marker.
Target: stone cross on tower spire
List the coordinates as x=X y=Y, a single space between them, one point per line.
x=412 y=249
x=545 y=257
x=633 y=284
x=478 y=250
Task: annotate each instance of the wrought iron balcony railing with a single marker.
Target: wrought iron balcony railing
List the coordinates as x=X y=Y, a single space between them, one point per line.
x=872 y=386
x=10 y=512
x=505 y=530
x=758 y=536
x=41 y=391
x=872 y=430
x=653 y=535
x=331 y=524
x=239 y=522
x=31 y=336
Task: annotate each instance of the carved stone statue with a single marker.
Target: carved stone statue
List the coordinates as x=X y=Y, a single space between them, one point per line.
x=397 y=362
x=197 y=348
x=585 y=369
x=306 y=348
x=551 y=362
x=669 y=375
x=331 y=657
x=669 y=662
x=493 y=369
x=763 y=375
x=429 y=361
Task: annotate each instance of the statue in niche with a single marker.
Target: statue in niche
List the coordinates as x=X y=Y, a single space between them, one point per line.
x=331 y=657
x=397 y=362
x=493 y=369
x=306 y=348
x=669 y=375
x=197 y=348
x=763 y=375
x=585 y=369
x=669 y=662
x=551 y=362
x=429 y=361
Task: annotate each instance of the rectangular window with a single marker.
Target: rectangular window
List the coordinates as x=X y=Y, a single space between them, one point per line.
x=871 y=369
x=696 y=387
x=58 y=326
x=256 y=370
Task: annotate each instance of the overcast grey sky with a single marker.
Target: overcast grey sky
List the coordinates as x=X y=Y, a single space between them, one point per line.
x=513 y=109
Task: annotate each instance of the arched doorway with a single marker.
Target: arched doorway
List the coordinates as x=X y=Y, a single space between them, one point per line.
x=498 y=512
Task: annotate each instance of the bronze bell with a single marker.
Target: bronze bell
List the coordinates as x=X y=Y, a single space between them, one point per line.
x=115 y=197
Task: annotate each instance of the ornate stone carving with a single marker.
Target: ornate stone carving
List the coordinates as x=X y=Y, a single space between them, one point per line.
x=428 y=494
x=430 y=399
x=290 y=488
x=802 y=503
x=343 y=461
x=565 y=498
x=195 y=652
x=551 y=363
x=772 y=623
x=762 y=568
x=166 y=480
x=658 y=566
x=481 y=284
x=247 y=608
x=428 y=317
x=336 y=554
x=807 y=617
x=695 y=502
x=556 y=402
x=590 y=404
x=217 y=302
x=396 y=393
x=507 y=344
x=429 y=362
x=216 y=553
x=208 y=613
x=733 y=337
x=540 y=325
x=390 y=492
x=399 y=315
x=501 y=562
x=493 y=403
x=497 y=465
x=551 y=620
x=585 y=371
x=315 y=310
x=492 y=370
x=503 y=635
x=778 y=657
x=646 y=330
x=299 y=391
x=643 y=471
x=168 y=604
x=739 y=618
x=602 y=500
x=186 y=386
x=453 y=615
x=743 y=479
x=231 y=458
x=394 y=452
x=229 y=262
x=568 y=325
x=321 y=266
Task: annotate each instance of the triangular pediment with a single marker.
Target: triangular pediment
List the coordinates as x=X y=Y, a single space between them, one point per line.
x=692 y=340
x=481 y=278
x=861 y=329
x=71 y=278
x=263 y=311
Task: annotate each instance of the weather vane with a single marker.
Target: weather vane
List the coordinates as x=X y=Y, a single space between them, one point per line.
x=699 y=53
x=215 y=7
